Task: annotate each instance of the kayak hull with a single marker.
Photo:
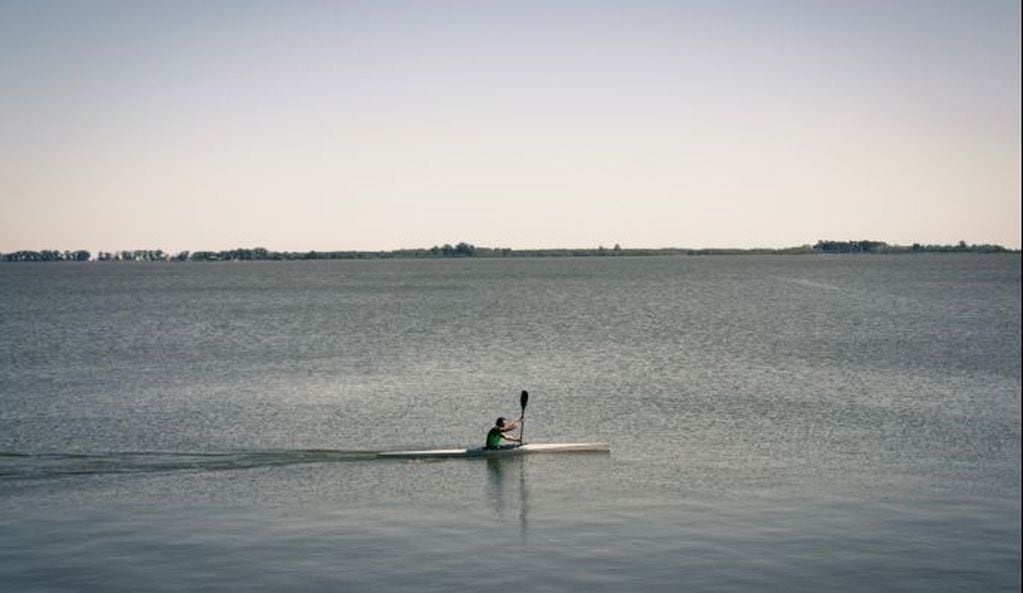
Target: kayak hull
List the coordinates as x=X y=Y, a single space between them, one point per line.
x=528 y=448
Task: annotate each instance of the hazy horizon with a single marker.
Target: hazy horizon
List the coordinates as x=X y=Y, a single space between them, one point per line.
x=376 y=126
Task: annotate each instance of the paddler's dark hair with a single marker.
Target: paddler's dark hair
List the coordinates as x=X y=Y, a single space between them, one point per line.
x=500 y=421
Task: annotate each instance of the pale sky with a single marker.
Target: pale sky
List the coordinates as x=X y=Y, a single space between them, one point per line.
x=385 y=125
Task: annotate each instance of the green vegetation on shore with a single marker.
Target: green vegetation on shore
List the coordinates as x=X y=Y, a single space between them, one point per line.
x=468 y=250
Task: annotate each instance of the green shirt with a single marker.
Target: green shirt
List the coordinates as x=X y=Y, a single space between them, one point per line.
x=494 y=438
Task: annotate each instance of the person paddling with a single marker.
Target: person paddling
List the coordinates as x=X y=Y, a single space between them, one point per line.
x=499 y=432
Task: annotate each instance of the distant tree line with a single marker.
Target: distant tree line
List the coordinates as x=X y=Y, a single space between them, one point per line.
x=463 y=250
x=882 y=247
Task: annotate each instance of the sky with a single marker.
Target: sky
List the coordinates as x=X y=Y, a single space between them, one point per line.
x=379 y=125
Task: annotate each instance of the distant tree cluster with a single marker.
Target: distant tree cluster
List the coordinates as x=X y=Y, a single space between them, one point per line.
x=256 y=254
x=133 y=255
x=850 y=246
x=460 y=250
x=960 y=247
x=45 y=256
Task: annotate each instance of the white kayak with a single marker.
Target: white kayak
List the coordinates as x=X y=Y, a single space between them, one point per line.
x=503 y=451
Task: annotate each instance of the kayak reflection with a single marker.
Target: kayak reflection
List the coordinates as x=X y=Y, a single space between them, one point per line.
x=501 y=474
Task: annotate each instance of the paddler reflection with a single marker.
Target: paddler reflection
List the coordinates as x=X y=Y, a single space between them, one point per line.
x=500 y=472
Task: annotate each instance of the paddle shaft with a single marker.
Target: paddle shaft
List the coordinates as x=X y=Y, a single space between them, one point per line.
x=523 y=400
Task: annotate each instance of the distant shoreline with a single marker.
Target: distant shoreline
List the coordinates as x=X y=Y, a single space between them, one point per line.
x=466 y=250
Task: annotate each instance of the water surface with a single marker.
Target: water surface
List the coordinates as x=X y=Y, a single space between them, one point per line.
x=776 y=423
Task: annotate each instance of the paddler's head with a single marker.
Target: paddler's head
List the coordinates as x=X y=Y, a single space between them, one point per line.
x=500 y=422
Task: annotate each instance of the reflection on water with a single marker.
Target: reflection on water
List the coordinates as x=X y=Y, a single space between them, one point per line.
x=501 y=478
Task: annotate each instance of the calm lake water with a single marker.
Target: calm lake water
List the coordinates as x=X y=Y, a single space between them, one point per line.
x=800 y=423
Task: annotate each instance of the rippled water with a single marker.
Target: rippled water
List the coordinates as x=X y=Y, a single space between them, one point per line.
x=776 y=423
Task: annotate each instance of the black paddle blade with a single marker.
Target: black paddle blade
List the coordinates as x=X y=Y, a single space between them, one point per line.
x=524 y=399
